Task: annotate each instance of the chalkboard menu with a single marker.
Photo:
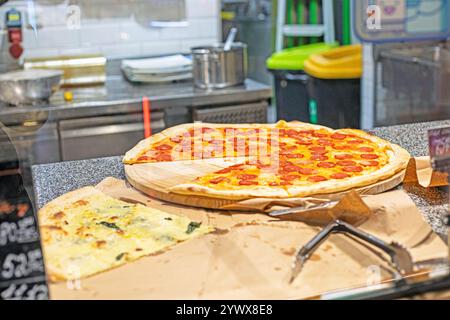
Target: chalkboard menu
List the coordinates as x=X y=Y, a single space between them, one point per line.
x=22 y=273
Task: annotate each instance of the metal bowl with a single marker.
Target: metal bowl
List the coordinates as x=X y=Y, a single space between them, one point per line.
x=29 y=86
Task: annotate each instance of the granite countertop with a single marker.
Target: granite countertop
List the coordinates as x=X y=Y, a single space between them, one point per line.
x=53 y=180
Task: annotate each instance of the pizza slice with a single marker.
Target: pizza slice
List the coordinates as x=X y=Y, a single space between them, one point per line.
x=85 y=232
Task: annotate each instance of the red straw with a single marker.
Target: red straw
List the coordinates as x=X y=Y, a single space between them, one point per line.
x=146 y=112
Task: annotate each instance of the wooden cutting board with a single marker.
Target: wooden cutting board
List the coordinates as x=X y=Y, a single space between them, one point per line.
x=155 y=179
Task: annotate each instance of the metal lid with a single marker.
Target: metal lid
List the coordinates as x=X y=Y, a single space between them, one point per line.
x=217 y=48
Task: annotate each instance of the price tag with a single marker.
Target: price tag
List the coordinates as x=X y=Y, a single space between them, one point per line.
x=439 y=147
x=22 y=273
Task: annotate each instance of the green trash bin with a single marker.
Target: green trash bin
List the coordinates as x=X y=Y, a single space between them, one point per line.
x=291 y=92
x=334 y=86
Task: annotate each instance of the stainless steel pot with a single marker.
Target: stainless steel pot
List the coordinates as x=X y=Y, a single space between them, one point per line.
x=216 y=68
x=28 y=86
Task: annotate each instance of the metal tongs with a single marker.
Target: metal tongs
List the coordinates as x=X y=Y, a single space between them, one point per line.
x=400 y=257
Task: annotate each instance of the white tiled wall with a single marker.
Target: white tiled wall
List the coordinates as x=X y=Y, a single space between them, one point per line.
x=118 y=37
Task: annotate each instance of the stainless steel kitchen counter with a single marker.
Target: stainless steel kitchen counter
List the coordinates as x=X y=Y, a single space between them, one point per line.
x=120 y=96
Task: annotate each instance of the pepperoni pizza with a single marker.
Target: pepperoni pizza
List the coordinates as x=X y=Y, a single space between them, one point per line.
x=280 y=160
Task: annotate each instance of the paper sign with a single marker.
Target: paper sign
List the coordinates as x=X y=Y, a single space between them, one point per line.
x=439 y=147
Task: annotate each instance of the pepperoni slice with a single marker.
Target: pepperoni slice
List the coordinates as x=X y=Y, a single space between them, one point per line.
x=284 y=163
x=369 y=156
x=237 y=167
x=143 y=158
x=262 y=165
x=287 y=152
x=356 y=141
x=306 y=131
x=317 y=149
x=366 y=149
x=247 y=176
x=319 y=135
x=319 y=153
x=286 y=183
x=317 y=179
x=163 y=157
x=318 y=157
x=248 y=183
x=219 y=180
x=343 y=156
x=340 y=147
x=294 y=156
x=353 y=169
x=326 y=165
x=346 y=163
x=338 y=136
x=207 y=130
x=292 y=133
x=176 y=139
x=369 y=163
x=288 y=148
x=307 y=171
x=304 y=142
x=290 y=177
x=163 y=147
x=339 y=176
x=274 y=184
x=291 y=168
x=325 y=142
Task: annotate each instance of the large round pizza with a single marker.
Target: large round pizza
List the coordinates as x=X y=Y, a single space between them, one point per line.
x=282 y=160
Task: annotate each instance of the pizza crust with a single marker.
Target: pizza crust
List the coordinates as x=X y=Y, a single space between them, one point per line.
x=228 y=194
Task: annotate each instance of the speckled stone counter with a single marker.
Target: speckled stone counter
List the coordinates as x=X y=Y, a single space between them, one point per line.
x=53 y=180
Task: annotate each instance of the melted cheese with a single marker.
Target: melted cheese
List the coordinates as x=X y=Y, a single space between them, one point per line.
x=100 y=232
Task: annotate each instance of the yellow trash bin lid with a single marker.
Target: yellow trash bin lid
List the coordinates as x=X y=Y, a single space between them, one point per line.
x=340 y=63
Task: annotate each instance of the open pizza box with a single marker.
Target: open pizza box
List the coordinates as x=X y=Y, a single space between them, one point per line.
x=250 y=254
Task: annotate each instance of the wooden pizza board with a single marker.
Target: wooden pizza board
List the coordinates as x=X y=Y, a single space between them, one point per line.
x=155 y=179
